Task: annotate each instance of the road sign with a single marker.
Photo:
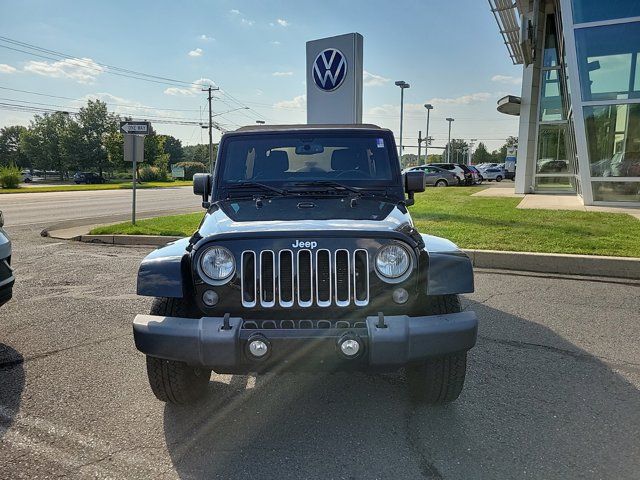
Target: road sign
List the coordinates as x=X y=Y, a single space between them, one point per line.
x=135 y=128
x=133 y=148
x=177 y=172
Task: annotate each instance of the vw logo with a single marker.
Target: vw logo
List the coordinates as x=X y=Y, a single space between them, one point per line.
x=329 y=69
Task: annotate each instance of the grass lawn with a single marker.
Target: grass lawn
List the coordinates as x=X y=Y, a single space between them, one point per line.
x=476 y=222
x=104 y=186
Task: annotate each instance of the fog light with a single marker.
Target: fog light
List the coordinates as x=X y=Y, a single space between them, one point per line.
x=258 y=348
x=350 y=347
x=400 y=295
x=210 y=298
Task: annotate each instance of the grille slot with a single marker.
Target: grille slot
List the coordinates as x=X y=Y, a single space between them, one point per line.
x=267 y=279
x=305 y=278
x=248 y=279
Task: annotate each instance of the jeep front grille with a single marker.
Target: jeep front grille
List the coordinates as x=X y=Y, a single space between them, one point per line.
x=304 y=278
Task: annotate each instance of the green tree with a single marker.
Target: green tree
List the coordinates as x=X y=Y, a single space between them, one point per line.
x=10 y=152
x=409 y=160
x=44 y=143
x=198 y=153
x=97 y=124
x=457 y=147
x=481 y=155
x=173 y=147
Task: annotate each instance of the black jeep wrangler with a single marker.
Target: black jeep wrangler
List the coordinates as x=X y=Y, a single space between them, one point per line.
x=306 y=258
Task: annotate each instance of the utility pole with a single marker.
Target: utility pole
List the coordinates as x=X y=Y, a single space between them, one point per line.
x=402 y=84
x=419 y=145
x=472 y=143
x=210 y=89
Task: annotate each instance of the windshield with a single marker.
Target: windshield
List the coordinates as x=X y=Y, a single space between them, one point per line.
x=361 y=160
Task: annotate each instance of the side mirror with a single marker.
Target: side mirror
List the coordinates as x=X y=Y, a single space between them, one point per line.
x=202 y=185
x=414 y=181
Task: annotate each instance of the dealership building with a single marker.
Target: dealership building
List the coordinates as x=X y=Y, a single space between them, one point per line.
x=579 y=106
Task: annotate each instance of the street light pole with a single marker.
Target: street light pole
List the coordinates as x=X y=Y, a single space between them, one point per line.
x=448 y=119
x=402 y=84
x=429 y=107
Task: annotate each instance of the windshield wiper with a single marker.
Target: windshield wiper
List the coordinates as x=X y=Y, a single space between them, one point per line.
x=261 y=186
x=328 y=183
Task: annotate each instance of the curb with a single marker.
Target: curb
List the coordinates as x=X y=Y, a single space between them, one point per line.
x=566 y=264
x=563 y=264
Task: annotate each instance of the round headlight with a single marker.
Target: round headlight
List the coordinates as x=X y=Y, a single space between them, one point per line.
x=217 y=263
x=392 y=261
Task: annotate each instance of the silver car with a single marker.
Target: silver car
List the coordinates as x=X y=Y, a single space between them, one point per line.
x=6 y=273
x=436 y=176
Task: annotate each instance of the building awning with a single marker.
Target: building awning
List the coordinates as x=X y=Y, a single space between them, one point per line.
x=509 y=105
x=506 y=15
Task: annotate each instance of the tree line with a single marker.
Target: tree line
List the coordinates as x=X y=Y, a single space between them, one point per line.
x=88 y=141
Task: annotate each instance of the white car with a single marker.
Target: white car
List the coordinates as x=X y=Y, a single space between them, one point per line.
x=494 y=173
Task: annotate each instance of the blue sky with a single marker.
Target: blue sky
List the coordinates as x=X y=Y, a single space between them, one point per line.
x=449 y=51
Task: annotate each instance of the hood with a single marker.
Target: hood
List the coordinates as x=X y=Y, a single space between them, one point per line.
x=243 y=216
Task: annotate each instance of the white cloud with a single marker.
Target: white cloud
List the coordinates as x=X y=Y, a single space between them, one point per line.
x=275 y=43
x=206 y=38
x=282 y=74
x=259 y=92
x=82 y=70
x=373 y=80
x=124 y=106
x=190 y=91
x=196 y=53
x=247 y=22
x=462 y=100
x=507 y=79
x=234 y=12
x=297 y=102
x=4 y=68
x=282 y=22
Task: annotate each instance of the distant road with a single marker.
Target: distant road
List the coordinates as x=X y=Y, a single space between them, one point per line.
x=92 y=206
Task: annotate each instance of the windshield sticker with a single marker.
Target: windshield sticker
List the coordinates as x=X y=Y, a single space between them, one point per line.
x=380 y=142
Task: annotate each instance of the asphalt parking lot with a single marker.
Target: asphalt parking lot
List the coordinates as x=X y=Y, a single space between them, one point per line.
x=552 y=389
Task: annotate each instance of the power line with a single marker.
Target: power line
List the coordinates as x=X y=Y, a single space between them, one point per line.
x=104 y=67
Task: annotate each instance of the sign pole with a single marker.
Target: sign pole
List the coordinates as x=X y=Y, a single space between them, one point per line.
x=135 y=181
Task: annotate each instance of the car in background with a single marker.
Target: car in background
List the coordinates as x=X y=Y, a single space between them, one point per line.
x=26 y=177
x=6 y=273
x=88 y=177
x=477 y=176
x=462 y=172
x=484 y=166
x=494 y=173
x=435 y=176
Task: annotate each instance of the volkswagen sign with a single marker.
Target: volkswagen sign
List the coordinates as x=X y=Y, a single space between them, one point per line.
x=329 y=69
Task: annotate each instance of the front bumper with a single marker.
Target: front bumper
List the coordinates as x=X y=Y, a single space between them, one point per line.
x=205 y=342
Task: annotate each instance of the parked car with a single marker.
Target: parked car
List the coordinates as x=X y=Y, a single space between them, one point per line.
x=6 y=273
x=26 y=176
x=435 y=176
x=340 y=279
x=484 y=166
x=88 y=177
x=476 y=175
x=462 y=172
x=493 y=173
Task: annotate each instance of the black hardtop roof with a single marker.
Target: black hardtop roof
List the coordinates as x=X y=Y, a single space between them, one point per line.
x=306 y=128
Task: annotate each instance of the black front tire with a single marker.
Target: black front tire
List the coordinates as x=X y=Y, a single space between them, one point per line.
x=438 y=380
x=171 y=381
x=498 y=178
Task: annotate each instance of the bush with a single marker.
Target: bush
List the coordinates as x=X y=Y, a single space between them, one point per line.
x=191 y=168
x=10 y=177
x=152 y=174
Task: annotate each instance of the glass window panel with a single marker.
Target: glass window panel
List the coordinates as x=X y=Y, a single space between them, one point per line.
x=607 y=61
x=596 y=10
x=616 y=191
x=613 y=140
x=550 y=55
x=551 y=107
x=555 y=184
x=552 y=150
